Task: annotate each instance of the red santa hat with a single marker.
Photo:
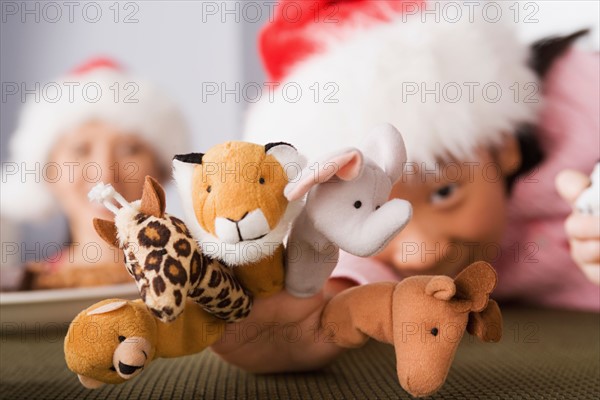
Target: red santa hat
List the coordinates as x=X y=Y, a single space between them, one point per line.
x=98 y=90
x=432 y=71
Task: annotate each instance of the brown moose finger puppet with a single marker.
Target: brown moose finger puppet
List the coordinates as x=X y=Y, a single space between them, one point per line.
x=164 y=259
x=429 y=315
x=114 y=340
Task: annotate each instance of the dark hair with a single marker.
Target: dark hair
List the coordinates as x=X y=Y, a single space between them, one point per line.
x=544 y=54
x=531 y=153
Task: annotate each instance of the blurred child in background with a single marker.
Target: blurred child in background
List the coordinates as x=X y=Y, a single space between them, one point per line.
x=113 y=128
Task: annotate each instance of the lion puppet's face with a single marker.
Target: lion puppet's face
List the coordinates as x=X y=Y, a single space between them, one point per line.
x=234 y=194
x=110 y=342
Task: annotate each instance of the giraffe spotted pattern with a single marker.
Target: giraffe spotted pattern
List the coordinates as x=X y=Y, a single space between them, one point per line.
x=168 y=267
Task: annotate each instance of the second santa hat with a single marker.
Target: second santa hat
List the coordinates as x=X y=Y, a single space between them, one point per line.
x=102 y=91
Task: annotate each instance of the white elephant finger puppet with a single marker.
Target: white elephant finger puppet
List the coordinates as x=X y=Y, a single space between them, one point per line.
x=347 y=208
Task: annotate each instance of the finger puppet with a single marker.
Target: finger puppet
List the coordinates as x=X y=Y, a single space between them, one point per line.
x=588 y=202
x=164 y=259
x=114 y=340
x=233 y=197
x=429 y=315
x=347 y=208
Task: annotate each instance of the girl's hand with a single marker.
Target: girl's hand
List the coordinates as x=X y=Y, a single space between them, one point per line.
x=583 y=230
x=282 y=334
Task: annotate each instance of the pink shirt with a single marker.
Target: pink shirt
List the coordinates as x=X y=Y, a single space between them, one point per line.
x=535 y=265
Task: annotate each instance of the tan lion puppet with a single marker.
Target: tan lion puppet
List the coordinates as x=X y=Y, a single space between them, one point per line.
x=234 y=202
x=114 y=340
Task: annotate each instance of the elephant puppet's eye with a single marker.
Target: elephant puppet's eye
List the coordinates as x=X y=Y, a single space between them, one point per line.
x=435 y=331
x=121 y=338
x=443 y=193
x=377 y=208
x=208 y=189
x=261 y=180
x=357 y=204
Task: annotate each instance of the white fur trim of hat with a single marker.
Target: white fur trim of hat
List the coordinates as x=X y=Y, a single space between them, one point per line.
x=141 y=108
x=436 y=81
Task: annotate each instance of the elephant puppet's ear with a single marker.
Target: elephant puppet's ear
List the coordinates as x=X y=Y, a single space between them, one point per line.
x=346 y=164
x=107 y=230
x=487 y=324
x=385 y=146
x=153 y=198
x=546 y=51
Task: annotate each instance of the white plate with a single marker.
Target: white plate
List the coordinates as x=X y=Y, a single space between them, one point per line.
x=39 y=309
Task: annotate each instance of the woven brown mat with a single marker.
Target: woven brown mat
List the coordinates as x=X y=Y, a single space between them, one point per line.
x=543 y=355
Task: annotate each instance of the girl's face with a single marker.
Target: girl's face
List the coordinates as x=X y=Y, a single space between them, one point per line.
x=459 y=215
x=97 y=152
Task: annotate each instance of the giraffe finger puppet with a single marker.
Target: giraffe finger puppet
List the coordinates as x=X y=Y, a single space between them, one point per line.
x=164 y=259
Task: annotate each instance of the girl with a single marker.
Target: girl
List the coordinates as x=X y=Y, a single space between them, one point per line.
x=112 y=128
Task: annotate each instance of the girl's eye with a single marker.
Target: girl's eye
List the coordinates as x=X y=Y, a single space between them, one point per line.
x=261 y=180
x=208 y=189
x=443 y=193
x=81 y=150
x=130 y=149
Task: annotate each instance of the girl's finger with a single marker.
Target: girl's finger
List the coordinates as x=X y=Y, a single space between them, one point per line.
x=592 y=272
x=583 y=226
x=586 y=251
x=570 y=183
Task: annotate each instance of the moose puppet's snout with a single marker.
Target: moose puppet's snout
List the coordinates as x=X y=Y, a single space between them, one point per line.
x=131 y=356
